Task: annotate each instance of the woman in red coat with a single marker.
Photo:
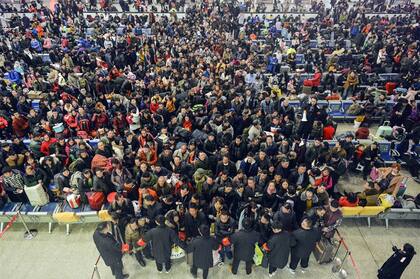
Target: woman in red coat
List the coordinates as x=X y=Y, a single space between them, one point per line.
x=46 y=145
x=20 y=124
x=315 y=81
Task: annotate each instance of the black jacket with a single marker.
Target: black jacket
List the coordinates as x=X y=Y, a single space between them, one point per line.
x=202 y=248
x=305 y=242
x=225 y=229
x=393 y=267
x=162 y=238
x=294 y=177
x=280 y=245
x=288 y=220
x=108 y=247
x=244 y=244
x=192 y=224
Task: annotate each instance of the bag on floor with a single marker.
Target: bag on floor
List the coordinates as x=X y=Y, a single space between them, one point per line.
x=324 y=251
x=37 y=195
x=74 y=200
x=95 y=199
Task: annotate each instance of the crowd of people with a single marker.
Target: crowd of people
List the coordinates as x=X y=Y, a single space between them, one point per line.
x=190 y=117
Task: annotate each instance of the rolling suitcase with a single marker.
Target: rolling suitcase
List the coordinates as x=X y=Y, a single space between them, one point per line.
x=324 y=251
x=36 y=195
x=96 y=200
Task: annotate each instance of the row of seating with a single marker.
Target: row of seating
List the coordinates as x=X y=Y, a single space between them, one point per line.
x=381 y=213
x=53 y=213
x=62 y=214
x=337 y=109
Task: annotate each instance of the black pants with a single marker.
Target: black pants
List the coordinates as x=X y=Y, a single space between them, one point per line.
x=139 y=256
x=117 y=269
x=235 y=264
x=167 y=266
x=194 y=271
x=271 y=269
x=294 y=260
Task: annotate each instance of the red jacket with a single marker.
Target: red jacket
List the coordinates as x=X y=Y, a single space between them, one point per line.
x=328 y=133
x=45 y=146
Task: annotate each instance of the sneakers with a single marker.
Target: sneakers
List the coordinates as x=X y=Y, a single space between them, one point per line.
x=292 y=271
x=272 y=274
x=303 y=270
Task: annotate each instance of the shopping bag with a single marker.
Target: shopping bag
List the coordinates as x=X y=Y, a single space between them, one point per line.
x=258 y=255
x=74 y=200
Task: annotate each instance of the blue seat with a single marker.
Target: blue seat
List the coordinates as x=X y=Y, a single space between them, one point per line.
x=67 y=208
x=335 y=109
x=49 y=207
x=27 y=207
x=385 y=152
x=7 y=212
x=10 y=207
x=322 y=103
x=35 y=104
x=313 y=44
x=294 y=104
x=300 y=58
x=390 y=77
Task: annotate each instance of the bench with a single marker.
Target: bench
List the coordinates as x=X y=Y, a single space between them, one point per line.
x=362 y=212
x=399 y=214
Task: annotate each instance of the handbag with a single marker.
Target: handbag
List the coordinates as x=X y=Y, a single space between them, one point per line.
x=258 y=255
x=74 y=200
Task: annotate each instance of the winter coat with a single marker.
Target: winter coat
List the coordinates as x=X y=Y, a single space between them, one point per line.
x=202 y=248
x=225 y=229
x=305 y=242
x=243 y=243
x=108 y=248
x=394 y=266
x=280 y=245
x=192 y=224
x=162 y=239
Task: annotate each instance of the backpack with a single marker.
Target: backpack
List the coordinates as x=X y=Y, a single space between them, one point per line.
x=75 y=179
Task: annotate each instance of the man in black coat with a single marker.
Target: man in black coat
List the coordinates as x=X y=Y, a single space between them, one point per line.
x=109 y=249
x=306 y=237
x=162 y=239
x=279 y=247
x=202 y=248
x=397 y=263
x=299 y=177
x=243 y=243
x=193 y=220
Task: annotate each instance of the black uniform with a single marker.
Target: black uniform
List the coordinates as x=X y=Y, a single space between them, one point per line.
x=202 y=248
x=162 y=238
x=395 y=265
x=305 y=244
x=243 y=243
x=279 y=245
x=110 y=251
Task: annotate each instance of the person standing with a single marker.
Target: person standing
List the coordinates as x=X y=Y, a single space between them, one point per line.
x=109 y=249
x=394 y=267
x=306 y=238
x=279 y=247
x=202 y=248
x=243 y=243
x=162 y=238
